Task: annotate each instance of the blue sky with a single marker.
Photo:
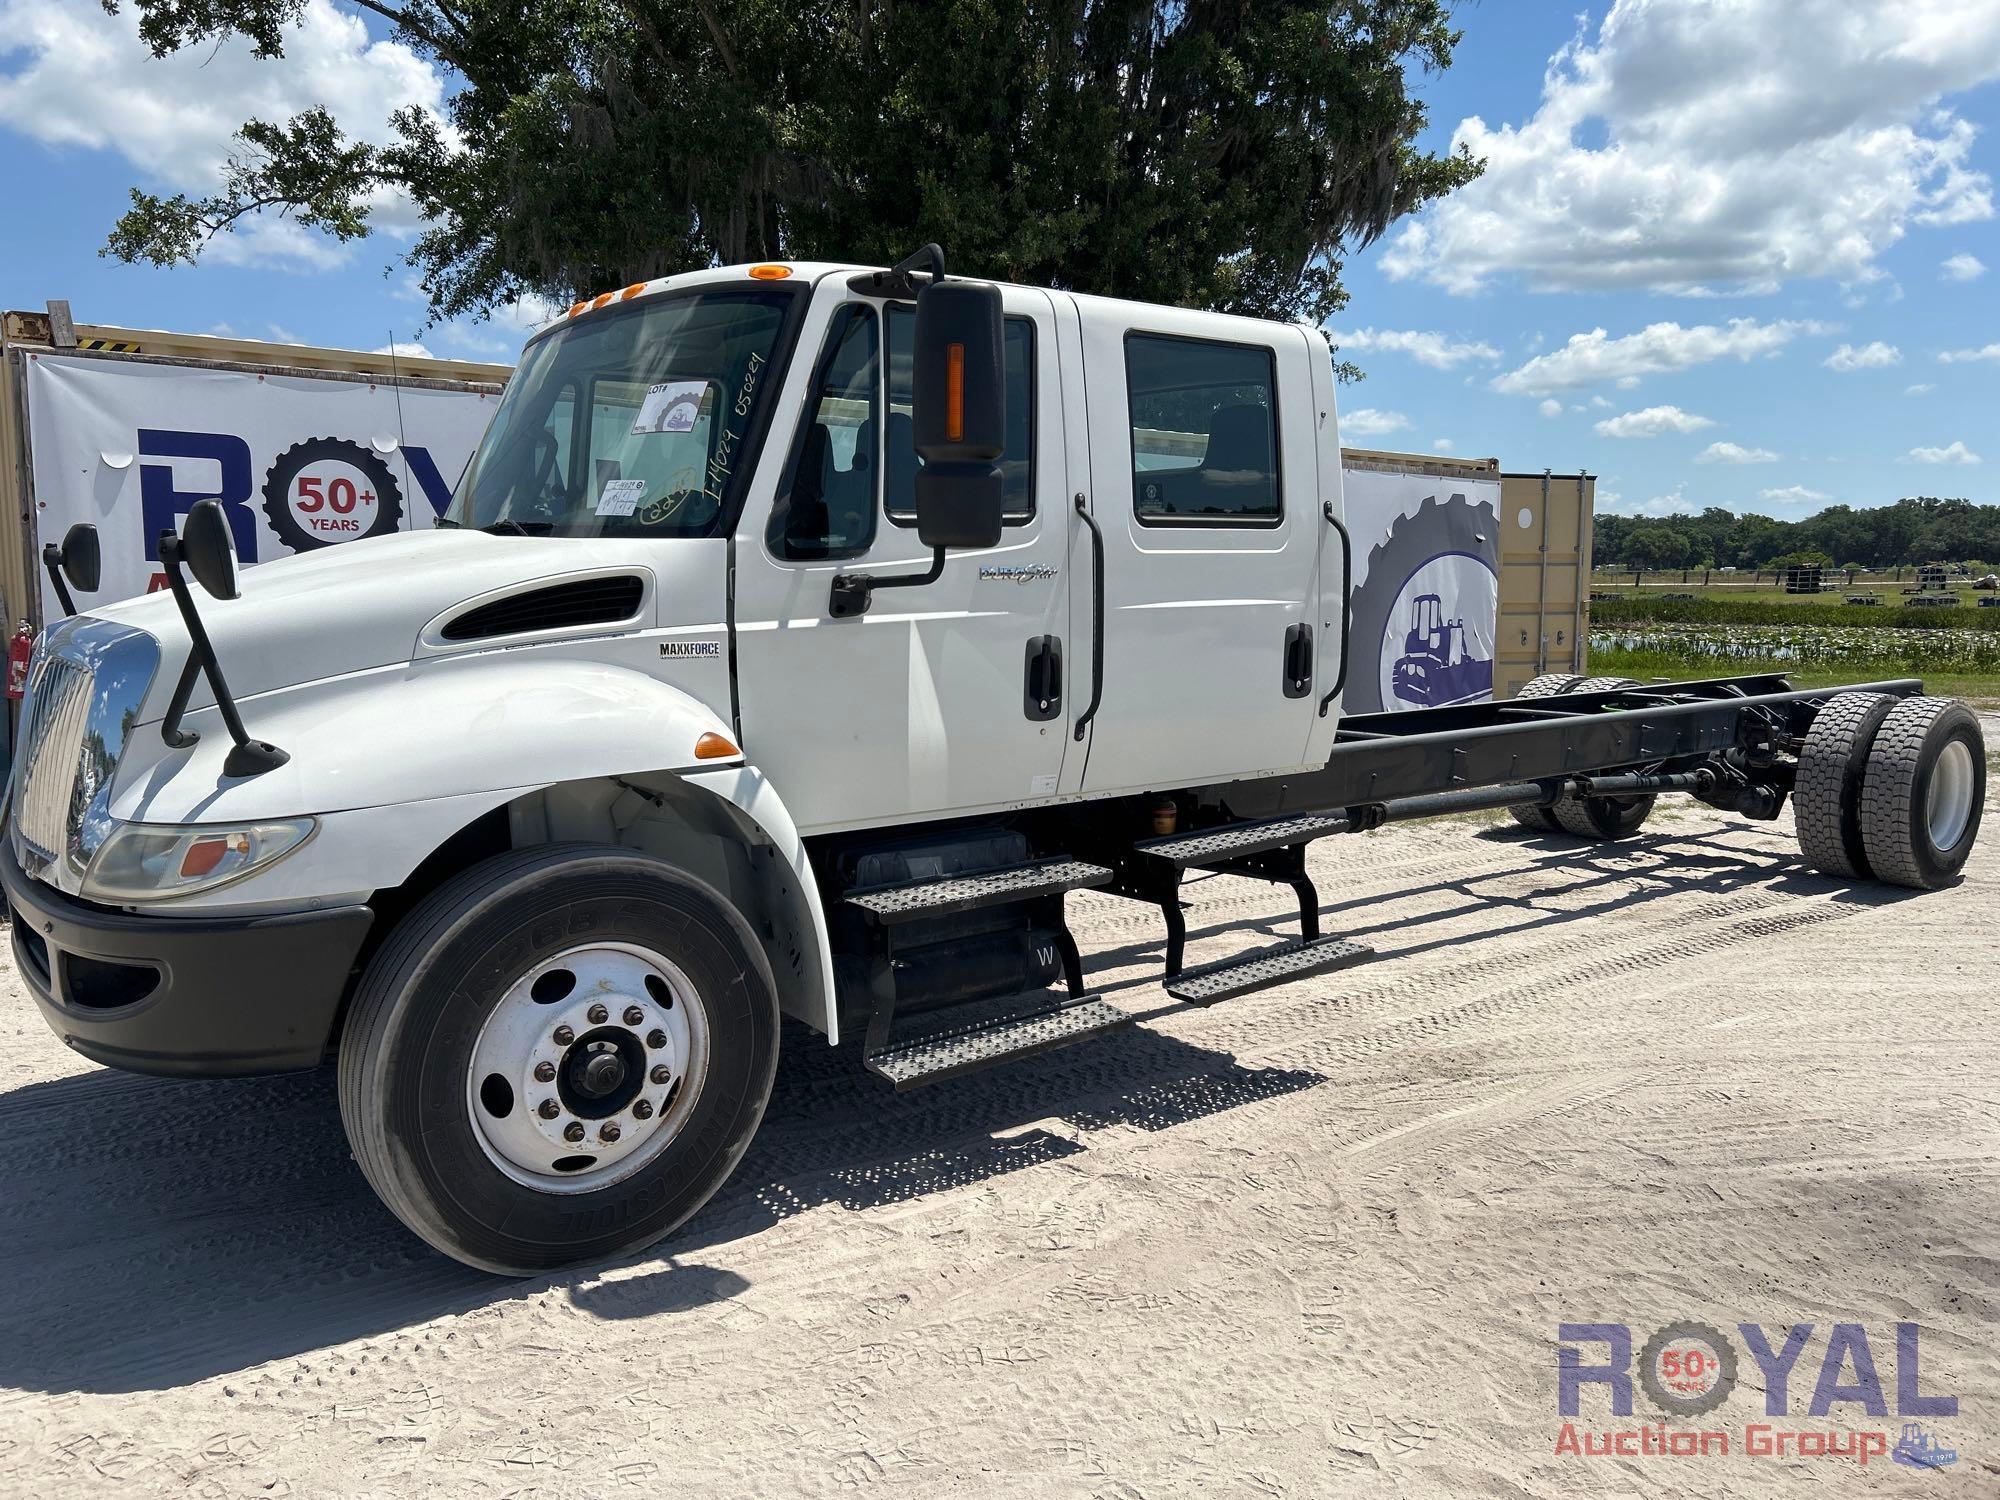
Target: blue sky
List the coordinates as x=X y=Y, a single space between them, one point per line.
x=1724 y=254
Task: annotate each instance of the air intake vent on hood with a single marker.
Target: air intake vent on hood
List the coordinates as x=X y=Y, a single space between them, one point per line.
x=589 y=601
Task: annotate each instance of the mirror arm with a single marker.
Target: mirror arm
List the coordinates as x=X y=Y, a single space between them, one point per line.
x=247 y=757
x=52 y=560
x=900 y=282
x=854 y=592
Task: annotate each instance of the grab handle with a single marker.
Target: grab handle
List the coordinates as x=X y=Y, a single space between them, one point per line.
x=1096 y=615
x=1346 y=604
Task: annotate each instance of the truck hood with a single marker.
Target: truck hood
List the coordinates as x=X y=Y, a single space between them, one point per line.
x=353 y=606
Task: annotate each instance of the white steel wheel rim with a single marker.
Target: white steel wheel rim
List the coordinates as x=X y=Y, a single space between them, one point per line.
x=621 y=1001
x=1948 y=805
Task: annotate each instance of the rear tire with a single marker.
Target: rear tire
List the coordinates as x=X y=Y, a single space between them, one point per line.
x=463 y=1010
x=1602 y=819
x=1548 y=685
x=1826 y=798
x=1922 y=793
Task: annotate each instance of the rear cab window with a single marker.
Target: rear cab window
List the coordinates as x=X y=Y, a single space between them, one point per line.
x=1204 y=432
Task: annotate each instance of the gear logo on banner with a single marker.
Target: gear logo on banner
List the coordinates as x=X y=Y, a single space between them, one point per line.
x=328 y=490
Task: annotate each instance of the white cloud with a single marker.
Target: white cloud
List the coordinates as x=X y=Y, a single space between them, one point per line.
x=1368 y=422
x=72 y=76
x=1967 y=356
x=1721 y=147
x=1550 y=407
x=1794 y=494
x=1594 y=357
x=1957 y=453
x=1875 y=356
x=1963 y=267
x=1438 y=350
x=1734 y=453
x=1441 y=445
x=1918 y=390
x=406 y=350
x=1651 y=422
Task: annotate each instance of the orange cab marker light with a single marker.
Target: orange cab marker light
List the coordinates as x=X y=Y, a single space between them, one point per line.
x=954 y=393
x=600 y=299
x=632 y=291
x=769 y=273
x=712 y=746
x=577 y=307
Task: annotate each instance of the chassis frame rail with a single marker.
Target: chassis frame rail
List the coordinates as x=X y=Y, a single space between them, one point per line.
x=1422 y=752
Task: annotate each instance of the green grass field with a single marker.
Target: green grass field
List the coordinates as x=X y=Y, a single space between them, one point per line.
x=1981 y=690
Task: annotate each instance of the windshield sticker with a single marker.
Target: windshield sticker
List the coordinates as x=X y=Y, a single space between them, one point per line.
x=620 y=496
x=671 y=406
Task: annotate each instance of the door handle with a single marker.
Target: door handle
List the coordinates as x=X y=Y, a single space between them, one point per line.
x=1042 y=696
x=1298 y=661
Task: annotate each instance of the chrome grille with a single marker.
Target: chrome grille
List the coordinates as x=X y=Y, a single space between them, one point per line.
x=51 y=743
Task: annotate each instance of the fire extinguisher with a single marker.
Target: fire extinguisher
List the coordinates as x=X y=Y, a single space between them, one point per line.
x=19 y=650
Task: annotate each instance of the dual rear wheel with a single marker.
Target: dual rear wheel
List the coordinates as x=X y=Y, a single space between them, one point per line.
x=1891 y=789
x=1599 y=819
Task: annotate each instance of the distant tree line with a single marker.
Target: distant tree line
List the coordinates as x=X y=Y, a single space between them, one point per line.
x=1918 y=529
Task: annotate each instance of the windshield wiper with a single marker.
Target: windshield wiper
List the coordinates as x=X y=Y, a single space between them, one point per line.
x=518 y=528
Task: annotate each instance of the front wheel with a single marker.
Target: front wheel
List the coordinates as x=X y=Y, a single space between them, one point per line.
x=558 y=1056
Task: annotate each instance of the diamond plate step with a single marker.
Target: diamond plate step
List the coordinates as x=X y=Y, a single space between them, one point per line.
x=1210 y=983
x=891 y=904
x=951 y=1053
x=1239 y=839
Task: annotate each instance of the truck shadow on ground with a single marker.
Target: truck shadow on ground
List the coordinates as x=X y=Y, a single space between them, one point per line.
x=165 y=1231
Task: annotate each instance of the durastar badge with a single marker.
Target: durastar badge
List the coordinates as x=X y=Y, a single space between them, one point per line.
x=673 y=650
x=1018 y=572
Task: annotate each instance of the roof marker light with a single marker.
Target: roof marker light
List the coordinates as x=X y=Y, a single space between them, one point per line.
x=769 y=273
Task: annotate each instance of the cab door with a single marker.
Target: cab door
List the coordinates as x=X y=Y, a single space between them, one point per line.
x=1205 y=486
x=943 y=699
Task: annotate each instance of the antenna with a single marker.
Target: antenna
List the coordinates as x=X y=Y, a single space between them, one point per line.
x=402 y=434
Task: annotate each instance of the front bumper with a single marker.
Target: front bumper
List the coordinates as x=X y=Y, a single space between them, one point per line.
x=189 y=996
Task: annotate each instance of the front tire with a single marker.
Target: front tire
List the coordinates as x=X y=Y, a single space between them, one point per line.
x=461 y=1037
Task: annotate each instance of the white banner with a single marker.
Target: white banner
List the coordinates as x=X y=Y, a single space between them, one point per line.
x=299 y=462
x=1426 y=589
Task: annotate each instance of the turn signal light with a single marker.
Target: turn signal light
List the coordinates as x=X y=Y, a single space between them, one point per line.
x=954 y=393
x=712 y=746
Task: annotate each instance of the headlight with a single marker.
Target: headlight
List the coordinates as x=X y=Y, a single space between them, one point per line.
x=156 y=862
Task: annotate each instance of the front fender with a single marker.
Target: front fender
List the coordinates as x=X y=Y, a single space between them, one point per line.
x=418 y=731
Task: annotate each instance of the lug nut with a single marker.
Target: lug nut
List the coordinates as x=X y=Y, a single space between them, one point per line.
x=545 y=1072
x=573 y=1131
x=662 y=1073
x=608 y=1132
x=634 y=1016
x=548 y=1109
x=599 y=1015
x=656 y=1039
x=641 y=1110
x=564 y=1036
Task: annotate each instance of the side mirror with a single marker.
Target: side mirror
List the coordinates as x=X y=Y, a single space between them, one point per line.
x=209 y=549
x=80 y=558
x=959 y=413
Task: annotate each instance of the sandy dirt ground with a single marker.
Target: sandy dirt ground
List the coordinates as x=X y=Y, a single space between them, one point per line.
x=1317 y=1241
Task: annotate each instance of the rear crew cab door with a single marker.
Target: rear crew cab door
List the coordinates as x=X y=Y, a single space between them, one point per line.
x=1205 y=483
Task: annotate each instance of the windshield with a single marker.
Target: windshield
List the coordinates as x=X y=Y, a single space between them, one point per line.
x=629 y=423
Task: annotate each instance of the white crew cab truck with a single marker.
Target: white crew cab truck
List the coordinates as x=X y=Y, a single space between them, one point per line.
x=798 y=635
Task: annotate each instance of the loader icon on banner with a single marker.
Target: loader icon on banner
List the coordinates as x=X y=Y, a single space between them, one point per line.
x=1435 y=666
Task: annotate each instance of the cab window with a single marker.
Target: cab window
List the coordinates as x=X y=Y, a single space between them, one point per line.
x=826 y=507
x=1204 y=432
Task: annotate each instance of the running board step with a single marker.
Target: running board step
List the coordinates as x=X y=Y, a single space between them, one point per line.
x=1210 y=845
x=1209 y=983
x=968 y=1048
x=891 y=904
